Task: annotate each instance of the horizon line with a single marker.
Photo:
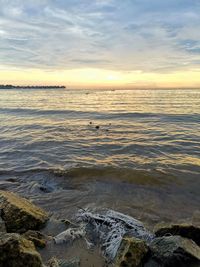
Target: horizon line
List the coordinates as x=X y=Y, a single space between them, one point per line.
x=13 y=86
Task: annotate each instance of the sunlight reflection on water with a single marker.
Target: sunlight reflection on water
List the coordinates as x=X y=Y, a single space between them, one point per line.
x=148 y=139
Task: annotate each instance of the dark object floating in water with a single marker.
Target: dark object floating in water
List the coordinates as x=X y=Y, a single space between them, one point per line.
x=90 y=122
x=46 y=189
x=97 y=127
x=9 y=86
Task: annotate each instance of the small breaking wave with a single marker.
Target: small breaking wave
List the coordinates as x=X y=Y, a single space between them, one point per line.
x=100 y=115
x=126 y=175
x=82 y=175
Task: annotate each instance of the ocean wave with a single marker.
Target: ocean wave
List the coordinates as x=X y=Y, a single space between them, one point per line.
x=125 y=175
x=105 y=115
x=106 y=174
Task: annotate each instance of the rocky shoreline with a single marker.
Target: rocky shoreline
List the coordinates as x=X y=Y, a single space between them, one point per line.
x=23 y=237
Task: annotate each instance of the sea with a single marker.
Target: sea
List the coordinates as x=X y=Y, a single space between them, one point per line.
x=132 y=151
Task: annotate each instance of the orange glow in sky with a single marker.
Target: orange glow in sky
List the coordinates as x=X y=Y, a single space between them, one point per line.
x=97 y=78
x=100 y=43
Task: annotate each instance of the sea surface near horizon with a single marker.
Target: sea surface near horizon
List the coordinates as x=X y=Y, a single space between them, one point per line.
x=144 y=160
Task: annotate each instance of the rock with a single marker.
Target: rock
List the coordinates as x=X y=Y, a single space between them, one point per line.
x=19 y=214
x=37 y=238
x=174 y=250
x=16 y=251
x=2 y=224
x=132 y=252
x=54 y=262
x=185 y=230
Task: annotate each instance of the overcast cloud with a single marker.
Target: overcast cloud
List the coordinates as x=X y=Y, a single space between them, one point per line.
x=144 y=35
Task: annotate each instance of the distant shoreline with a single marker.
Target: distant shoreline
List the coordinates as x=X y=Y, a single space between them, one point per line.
x=96 y=89
x=8 y=86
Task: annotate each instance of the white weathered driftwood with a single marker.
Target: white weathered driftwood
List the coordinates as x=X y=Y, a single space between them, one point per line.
x=111 y=227
x=70 y=235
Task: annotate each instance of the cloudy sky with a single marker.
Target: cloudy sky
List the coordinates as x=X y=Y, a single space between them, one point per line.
x=84 y=43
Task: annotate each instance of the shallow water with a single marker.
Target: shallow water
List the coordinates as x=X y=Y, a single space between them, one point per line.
x=144 y=160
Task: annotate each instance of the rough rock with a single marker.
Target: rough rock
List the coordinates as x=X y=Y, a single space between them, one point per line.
x=54 y=262
x=174 y=250
x=16 y=251
x=132 y=253
x=185 y=230
x=2 y=224
x=37 y=238
x=19 y=214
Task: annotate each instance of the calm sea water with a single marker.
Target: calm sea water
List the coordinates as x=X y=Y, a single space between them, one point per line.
x=143 y=160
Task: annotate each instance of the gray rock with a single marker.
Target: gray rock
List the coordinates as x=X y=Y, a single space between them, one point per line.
x=185 y=230
x=16 y=251
x=37 y=238
x=19 y=214
x=132 y=253
x=174 y=250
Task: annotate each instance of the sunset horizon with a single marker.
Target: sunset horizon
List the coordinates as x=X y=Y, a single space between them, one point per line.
x=99 y=133
x=100 y=78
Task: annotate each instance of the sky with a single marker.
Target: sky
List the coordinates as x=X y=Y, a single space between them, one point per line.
x=100 y=43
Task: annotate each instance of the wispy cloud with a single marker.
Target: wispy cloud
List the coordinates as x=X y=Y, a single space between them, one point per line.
x=147 y=35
